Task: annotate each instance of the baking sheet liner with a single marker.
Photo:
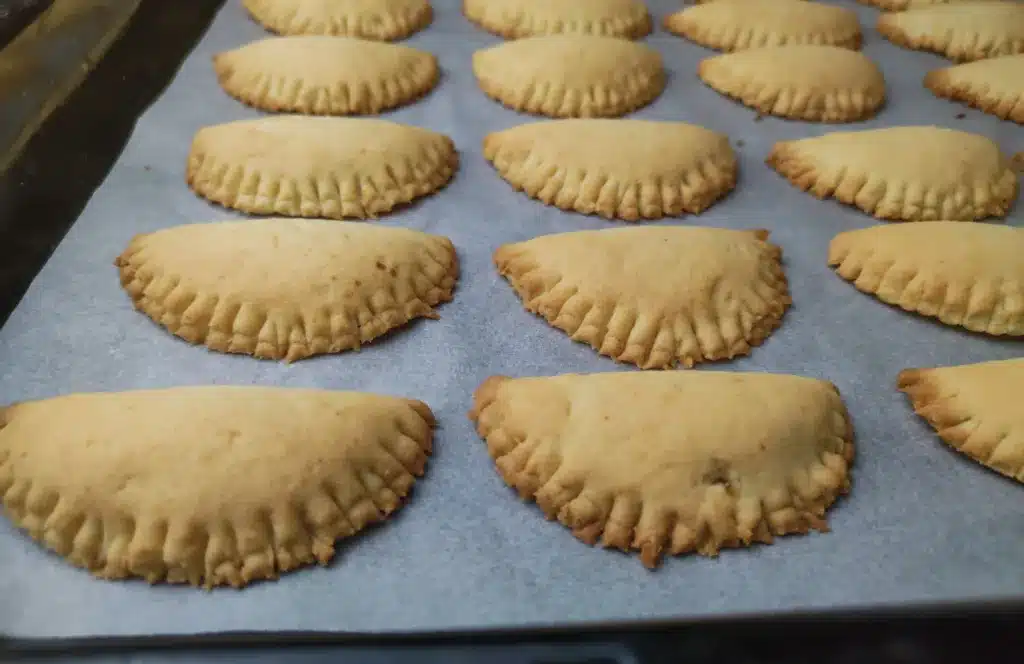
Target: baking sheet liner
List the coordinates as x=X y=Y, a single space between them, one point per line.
x=920 y=524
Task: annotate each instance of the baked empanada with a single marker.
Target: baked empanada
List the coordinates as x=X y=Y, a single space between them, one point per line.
x=384 y=20
x=961 y=31
x=513 y=19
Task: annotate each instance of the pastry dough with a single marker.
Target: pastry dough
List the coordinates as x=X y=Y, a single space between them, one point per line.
x=513 y=19
x=903 y=173
x=619 y=169
x=976 y=408
x=207 y=485
x=902 y=5
x=570 y=75
x=653 y=296
x=384 y=20
x=325 y=75
x=300 y=166
x=961 y=31
x=971 y=275
x=733 y=25
x=669 y=463
x=993 y=85
x=799 y=82
x=287 y=288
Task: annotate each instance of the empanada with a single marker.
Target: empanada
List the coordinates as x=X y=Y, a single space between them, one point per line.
x=976 y=408
x=653 y=296
x=961 y=31
x=337 y=168
x=799 y=82
x=383 y=20
x=207 y=485
x=970 y=275
x=619 y=169
x=670 y=463
x=733 y=25
x=513 y=19
x=901 y=5
x=570 y=75
x=325 y=75
x=287 y=288
x=993 y=85
x=903 y=173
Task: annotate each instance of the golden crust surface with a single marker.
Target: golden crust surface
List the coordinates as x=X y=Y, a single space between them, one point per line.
x=968 y=275
x=902 y=5
x=381 y=20
x=317 y=75
x=207 y=485
x=799 y=82
x=653 y=296
x=670 y=462
x=619 y=169
x=909 y=173
x=993 y=85
x=514 y=19
x=734 y=25
x=287 y=289
x=961 y=31
x=570 y=75
x=321 y=167
x=975 y=408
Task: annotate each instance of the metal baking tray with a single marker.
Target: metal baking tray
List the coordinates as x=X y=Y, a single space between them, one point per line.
x=921 y=524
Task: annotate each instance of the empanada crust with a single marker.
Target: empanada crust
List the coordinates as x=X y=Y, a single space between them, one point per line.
x=671 y=463
x=993 y=85
x=287 y=288
x=382 y=20
x=976 y=408
x=207 y=485
x=570 y=76
x=909 y=173
x=320 y=167
x=653 y=296
x=317 y=75
x=515 y=19
x=961 y=31
x=619 y=169
x=734 y=25
x=967 y=275
x=799 y=82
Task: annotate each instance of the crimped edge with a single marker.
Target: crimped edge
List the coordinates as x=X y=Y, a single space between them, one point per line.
x=849 y=260
x=401 y=26
x=218 y=182
x=717 y=179
x=150 y=550
x=940 y=83
x=656 y=348
x=224 y=324
x=846 y=105
x=719 y=516
x=802 y=173
x=958 y=429
x=681 y=25
x=621 y=28
x=256 y=93
x=888 y=26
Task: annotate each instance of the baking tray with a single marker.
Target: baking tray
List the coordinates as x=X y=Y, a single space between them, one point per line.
x=921 y=524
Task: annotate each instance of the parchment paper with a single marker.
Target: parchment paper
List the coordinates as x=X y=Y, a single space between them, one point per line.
x=921 y=523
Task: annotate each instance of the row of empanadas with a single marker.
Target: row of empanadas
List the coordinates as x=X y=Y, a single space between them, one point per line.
x=653 y=296
x=620 y=169
x=220 y=486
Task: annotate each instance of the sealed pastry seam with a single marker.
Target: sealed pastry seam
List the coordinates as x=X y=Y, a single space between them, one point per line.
x=94 y=528
x=654 y=336
x=278 y=92
x=500 y=19
x=384 y=22
x=723 y=518
x=955 y=83
x=993 y=443
x=890 y=198
x=960 y=31
x=289 y=331
x=594 y=191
